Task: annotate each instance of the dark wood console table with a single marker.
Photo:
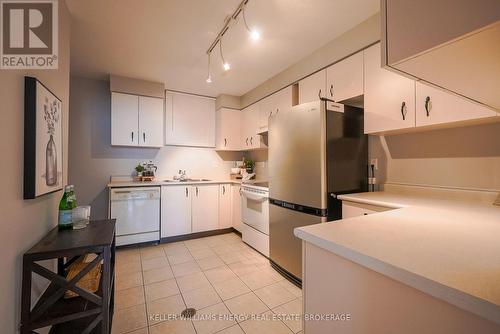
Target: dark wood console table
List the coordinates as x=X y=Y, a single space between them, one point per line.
x=85 y=312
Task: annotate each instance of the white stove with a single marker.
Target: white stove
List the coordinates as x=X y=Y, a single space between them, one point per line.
x=255 y=215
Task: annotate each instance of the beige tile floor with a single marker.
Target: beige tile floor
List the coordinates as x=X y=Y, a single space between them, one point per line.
x=217 y=275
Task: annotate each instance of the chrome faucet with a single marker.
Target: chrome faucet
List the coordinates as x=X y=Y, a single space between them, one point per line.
x=181 y=176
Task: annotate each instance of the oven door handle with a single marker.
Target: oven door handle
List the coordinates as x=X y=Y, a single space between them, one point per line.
x=254 y=196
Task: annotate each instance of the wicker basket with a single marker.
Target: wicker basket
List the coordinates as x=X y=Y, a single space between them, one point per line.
x=90 y=281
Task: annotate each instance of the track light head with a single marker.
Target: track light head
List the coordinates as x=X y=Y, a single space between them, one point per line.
x=255 y=35
x=209 y=77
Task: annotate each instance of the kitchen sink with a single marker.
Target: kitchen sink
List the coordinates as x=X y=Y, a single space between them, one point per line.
x=187 y=180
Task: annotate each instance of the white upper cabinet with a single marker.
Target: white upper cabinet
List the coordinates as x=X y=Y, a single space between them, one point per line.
x=150 y=121
x=436 y=106
x=190 y=120
x=136 y=120
x=205 y=207
x=124 y=118
x=279 y=101
x=267 y=107
x=313 y=87
x=228 y=127
x=389 y=98
x=225 y=206
x=344 y=79
x=250 y=127
x=175 y=210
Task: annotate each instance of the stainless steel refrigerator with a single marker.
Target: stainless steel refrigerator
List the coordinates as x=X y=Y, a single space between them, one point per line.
x=317 y=151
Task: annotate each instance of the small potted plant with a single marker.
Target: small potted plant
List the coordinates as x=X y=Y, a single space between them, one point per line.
x=139 y=169
x=249 y=165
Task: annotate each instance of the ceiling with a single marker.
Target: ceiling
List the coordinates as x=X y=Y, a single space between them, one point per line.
x=166 y=40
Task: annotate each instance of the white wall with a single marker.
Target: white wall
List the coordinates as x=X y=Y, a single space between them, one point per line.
x=24 y=222
x=465 y=157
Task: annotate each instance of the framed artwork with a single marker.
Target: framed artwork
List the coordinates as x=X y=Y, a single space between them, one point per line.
x=43 y=160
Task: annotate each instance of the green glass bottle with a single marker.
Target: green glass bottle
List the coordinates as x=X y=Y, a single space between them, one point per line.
x=65 y=207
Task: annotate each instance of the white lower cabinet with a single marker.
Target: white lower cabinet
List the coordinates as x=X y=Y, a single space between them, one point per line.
x=225 y=206
x=236 y=206
x=205 y=208
x=175 y=210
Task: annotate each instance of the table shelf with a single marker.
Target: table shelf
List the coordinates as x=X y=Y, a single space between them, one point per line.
x=86 y=313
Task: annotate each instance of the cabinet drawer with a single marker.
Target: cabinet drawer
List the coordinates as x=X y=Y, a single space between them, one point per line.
x=351 y=209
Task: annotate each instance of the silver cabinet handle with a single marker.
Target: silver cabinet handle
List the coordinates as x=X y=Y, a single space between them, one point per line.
x=223 y=190
x=247 y=141
x=186 y=192
x=403 y=110
x=428 y=105
x=225 y=142
x=270 y=114
x=196 y=191
x=132 y=135
x=319 y=93
x=240 y=192
x=251 y=140
x=331 y=90
x=144 y=136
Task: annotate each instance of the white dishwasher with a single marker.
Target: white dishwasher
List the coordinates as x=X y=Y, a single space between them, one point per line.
x=137 y=214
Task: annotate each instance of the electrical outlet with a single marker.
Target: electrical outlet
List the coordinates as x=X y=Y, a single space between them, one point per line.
x=374 y=162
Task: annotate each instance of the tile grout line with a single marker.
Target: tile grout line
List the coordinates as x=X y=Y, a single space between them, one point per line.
x=253 y=291
x=209 y=282
x=144 y=292
x=178 y=287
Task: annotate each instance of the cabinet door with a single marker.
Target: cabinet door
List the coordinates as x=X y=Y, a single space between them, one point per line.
x=228 y=129
x=312 y=88
x=205 y=207
x=190 y=120
x=279 y=101
x=124 y=119
x=436 y=106
x=266 y=108
x=225 y=206
x=249 y=125
x=236 y=206
x=150 y=121
x=283 y=100
x=175 y=210
x=389 y=97
x=344 y=79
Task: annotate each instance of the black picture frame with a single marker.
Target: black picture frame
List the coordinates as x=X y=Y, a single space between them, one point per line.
x=33 y=89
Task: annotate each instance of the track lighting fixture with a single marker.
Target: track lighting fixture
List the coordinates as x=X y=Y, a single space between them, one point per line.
x=254 y=33
x=209 y=77
x=225 y=64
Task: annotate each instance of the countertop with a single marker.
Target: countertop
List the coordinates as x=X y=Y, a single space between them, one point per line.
x=448 y=248
x=120 y=184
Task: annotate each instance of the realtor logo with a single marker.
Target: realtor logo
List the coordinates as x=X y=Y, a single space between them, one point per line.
x=29 y=34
